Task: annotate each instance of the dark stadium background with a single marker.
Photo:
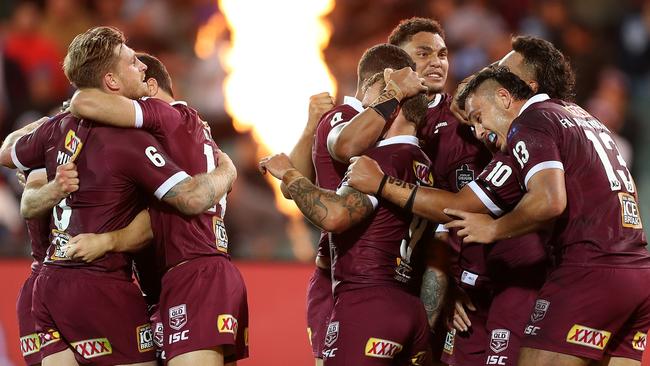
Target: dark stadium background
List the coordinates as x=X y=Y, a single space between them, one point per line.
x=608 y=43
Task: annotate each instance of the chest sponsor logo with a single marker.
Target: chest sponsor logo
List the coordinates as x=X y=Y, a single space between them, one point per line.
x=332 y=334
x=589 y=337
x=49 y=337
x=423 y=173
x=145 y=338
x=382 y=348
x=638 y=342
x=541 y=307
x=499 y=340
x=220 y=234
x=158 y=335
x=464 y=176
x=630 y=216
x=178 y=316
x=92 y=348
x=73 y=144
x=30 y=344
x=449 y=342
x=227 y=323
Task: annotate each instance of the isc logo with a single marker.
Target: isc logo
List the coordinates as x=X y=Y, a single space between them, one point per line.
x=179 y=336
x=531 y=330
x=496 y=360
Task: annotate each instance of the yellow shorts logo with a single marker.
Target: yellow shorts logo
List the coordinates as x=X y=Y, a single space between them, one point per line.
x=589 y=337
x=92 y=348
x=638 y=342
x=382 y=348
x=227 y=323
x=30 y=344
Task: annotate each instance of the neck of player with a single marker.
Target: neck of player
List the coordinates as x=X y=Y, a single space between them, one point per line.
x=401 y=126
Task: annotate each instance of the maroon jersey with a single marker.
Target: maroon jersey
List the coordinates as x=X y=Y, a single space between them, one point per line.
x=180 y=131
x=330 y=172
x=38 y=229
x=118 y=169
x=601 y=224
x=379 y=250
x=456 y=154
x=500 y=191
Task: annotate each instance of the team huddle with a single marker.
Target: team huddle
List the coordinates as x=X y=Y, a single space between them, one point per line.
x=126 y=180
x=495 y=226
x=489 y=227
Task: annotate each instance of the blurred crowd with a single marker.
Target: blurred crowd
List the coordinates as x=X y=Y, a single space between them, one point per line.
x=607 y=41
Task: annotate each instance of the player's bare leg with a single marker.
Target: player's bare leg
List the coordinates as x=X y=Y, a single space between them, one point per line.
x=538 y=357
x=319 y=361
x=150 y=363
x=63 y=358
x=619 y=361
x=208 y=357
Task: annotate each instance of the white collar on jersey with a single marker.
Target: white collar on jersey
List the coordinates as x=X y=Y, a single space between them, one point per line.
x=178 y=102
x=354 y=103
x=534 y=99
x=435 y=101
x=400 y=139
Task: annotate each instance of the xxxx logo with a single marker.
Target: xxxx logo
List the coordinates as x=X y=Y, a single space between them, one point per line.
x=30 y=344
x=589 y=337
x=382 y=348
x=638 y=342
x=93 y=347
x=49 y=337
x=227 y=323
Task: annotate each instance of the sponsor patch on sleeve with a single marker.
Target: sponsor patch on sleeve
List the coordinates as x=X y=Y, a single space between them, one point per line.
x=382 y=348
x=588 y=337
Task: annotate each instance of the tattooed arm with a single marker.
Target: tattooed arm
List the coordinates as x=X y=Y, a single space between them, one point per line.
x=432 y=294
x=331 y=211
x=197 y=194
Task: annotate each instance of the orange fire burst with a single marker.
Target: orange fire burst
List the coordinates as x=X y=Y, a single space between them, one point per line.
x=274 y=64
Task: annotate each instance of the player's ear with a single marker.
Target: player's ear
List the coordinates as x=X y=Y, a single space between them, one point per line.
x=111 y=82
x=503 y=97
x=152 y=85
x=533 y=85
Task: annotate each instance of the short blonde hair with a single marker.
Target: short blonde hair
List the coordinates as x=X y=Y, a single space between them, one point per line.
x=91 y=55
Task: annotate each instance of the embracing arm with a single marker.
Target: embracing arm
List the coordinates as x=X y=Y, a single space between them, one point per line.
x=40 y=195
x=10 y=140
x=331 y=211
x=197 y=194
x=545 y=201
x=111 y=109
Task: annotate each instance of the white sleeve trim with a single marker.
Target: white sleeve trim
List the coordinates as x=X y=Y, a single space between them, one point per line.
x=138 y=114
x=170 y=183
x=441 y=229
x=553 y=164
x=14 y=158
x=39 y=170
x=489 y=204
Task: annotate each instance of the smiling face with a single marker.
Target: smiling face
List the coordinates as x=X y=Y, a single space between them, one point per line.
x=490 y=111
x=129 y=73
x=429 y=52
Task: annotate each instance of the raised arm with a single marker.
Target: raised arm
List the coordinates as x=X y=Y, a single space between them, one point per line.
x=133 y=237
x=331 y=211
x=195 y=195
x=301 y=154
x=111 y=109
x=353 y=138
x=365 y=175
x=40 y=195
x=8 y=143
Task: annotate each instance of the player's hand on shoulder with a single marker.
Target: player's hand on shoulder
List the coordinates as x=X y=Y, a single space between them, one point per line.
x=88 y=247
x=277 y=165
x=472 y=227
x=407 y=81
x=364 y=174
x=66 y=179
x=319 y=104
x=22 y=180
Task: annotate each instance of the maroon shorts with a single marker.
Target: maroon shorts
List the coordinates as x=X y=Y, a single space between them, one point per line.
x=592 y=311
x=377 y=326
x=102 y=319
x=320 y=303
x=29 y=340
x=468 y=348
x=508 y=316
x=203 y=305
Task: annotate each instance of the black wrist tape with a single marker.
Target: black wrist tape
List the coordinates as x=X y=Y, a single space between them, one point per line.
x=408 y=207
x=381 y=186
x=387 y=108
